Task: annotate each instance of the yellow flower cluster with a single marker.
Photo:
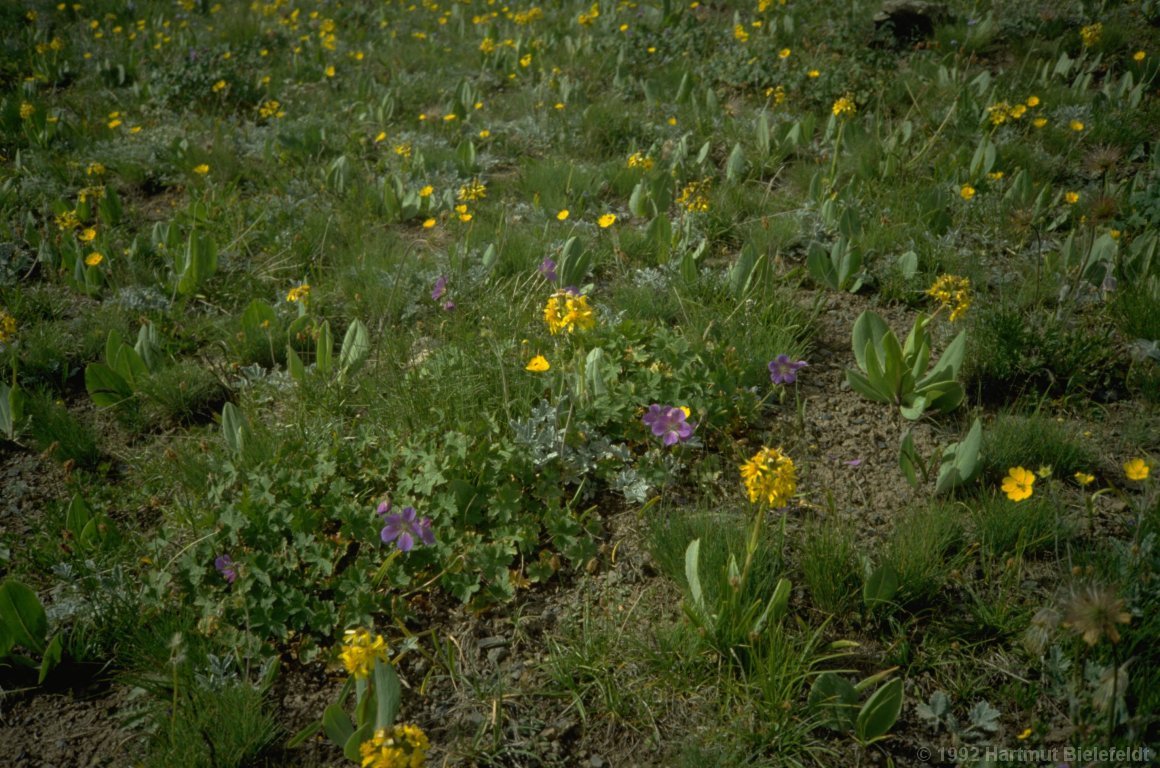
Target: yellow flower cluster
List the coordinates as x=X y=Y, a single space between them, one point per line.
x=770 y=477
x=298 y=293
x=739 y=34
x=400 y=746
x=360 y=650
x=952 y=292
x=845 y=107
x=638 y=160
x=7 y=327
x=567 y=313
x=473 y=190
x=693 y=197
x=1091 y=34
x=270 y=108
x=591 y=15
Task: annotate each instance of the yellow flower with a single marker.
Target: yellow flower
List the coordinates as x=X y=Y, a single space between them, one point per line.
x=1033 y=101
x=426 y=191
x=952 y=292
x=403 y=150
x=95 y=169
x=26 y=110
x=1138 y=56
x=739 y=34
x=844 y=107
x=607 y=220
x=1071 y=198
x=813 y=73
x=1039 y=122
x=967 y=192
x=999 y=113
x=693 y=197
x=1024 y=734
x=428 y=223
x=484 y=133
x=399 y=746
x=7 y=327
x=94 y=258
x=562 y=215
x=1084 y=479
x=1018 y=483
x=270 y=108
x=450 y=117
x=114 y=124
x=360 y=650
x=329 y=71
x=638 y=160
x=1044 y=471
x=201 y=170
x=1076 y=126
x=770 y=477
x=526 y=60
x=995 y=175
x=219 y=86
x=298 y=293
x=88 y=236
x=1091 y=34
x=784 y=53
x=538 y=364
x=1137 y=469
x=473 y=190
x=463 y=213
x=565 y=312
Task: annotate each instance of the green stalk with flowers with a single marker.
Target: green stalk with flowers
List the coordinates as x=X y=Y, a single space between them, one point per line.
x=770 y=479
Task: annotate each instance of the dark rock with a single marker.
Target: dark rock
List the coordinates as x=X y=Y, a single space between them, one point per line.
x=903 y=22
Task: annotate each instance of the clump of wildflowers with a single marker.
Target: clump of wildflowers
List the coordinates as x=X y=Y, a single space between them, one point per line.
x=782 y=370
x=473 y=190
x=400 y=746
x=668 y=422
x=360 y=649
x=566 y=312
x=952 y=293
x=638 y=160
x=299 y=293
x=404 y=528
x=770 y=477
x=1091 y=34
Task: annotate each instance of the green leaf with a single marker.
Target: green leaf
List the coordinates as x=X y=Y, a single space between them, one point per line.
x=821 y=267
x=960 y=461
x=11 y=409
x=356 y=347
x=860 y=384
x=879 y=713
x=692 y=574
x=258 y=317
x=106 y=387
x=23 y=616
x=834 y=698
x=294 y=365
x=51 y=658
x=337 y=724
x=388 y=693
x=909 y=460
x=914 y=407
x=947 y=367
x=735 y=165
x=869 y=327
x=880 y=586
x=350 y=749
x=324 y=350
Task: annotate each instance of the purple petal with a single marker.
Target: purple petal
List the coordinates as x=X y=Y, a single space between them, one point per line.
x=405 y=542
x=391 y=530
x=426 y=535
x=384 y=509
x=548 y=270
x=440 y=288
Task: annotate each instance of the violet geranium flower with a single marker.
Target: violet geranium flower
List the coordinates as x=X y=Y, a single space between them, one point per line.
x=669 y=423
x=404 y=529
x=225 y=566
x=782 y=370
x=548 y=269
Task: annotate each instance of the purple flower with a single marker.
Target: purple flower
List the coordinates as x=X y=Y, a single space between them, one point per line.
x=782 y=370
x=402 y=528
x=440 y=288
x=668 y=423
x=548 y=270
x=225 y=566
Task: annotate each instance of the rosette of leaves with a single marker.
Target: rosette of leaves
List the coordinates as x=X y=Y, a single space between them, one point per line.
x=890 y=372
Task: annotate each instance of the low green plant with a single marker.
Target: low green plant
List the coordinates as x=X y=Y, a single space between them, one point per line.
x=830 y=566
x=958 y=466
x=889 y=372
x=839 y=269
x=835 y=699
x=922 y=547
x=24 y=625
x=1035 y=441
